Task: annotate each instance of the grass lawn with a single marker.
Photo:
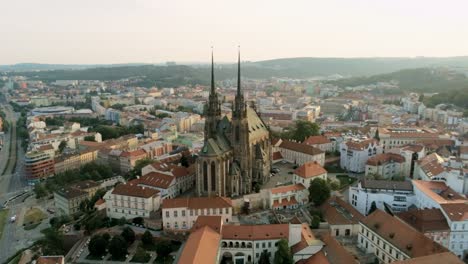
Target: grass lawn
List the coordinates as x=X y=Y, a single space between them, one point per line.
x=3 y=220
x=33 y=216
x=345 y=180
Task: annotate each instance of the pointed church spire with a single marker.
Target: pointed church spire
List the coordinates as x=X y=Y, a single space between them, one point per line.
x=238 y=74
x=213 y=90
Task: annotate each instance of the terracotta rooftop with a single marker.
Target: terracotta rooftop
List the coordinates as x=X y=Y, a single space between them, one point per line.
x=338 y=212
x=70 y=192
x=387 y=185
x=400 y=235
x=425 y=220
x=155 y=179
x=133 y=154
x=45 y=147
x=214 y=222
x=277 y=155
x=83 y=185
x=439 y=192
x=133 y=190
x=197 y=202
x=310 y=169
x=335 y=252
x=201 y=247
x=316 y=140
x=413 y=147
x=288 y=188
x=300 y=147
x=445 y=258
x=255 y=232
x=50 y=260
x=385 y=158
x=456 y=211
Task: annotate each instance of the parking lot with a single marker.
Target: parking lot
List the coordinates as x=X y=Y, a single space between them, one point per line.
x=283 y=177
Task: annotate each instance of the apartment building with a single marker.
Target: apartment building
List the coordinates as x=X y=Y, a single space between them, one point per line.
x=288 y=197
x=130 y=201
x=456 y=215
x=180 y=214
x=354 y=155
x=386 y=165
x=389 y=239
x=397 y=195
x=412 y=153
x=67 y=200
x=38 y=165
x=342 y=218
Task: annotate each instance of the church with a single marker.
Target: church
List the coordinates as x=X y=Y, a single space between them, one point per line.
x=236 y=155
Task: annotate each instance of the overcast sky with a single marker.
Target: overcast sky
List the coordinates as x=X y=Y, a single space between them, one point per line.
x=122 y=31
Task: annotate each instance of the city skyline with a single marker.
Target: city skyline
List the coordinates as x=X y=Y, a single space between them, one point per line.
x=108 y=32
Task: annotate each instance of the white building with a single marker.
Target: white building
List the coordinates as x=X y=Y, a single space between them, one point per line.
x=130 y=201
x=180 y=214
x=307 y=172
x=386 y=165
x=457 y=219
x=320 y=142
x=431 y=194
x=288 y=197
x=298 y=153
x=397 y=195
x=354 y=155
x=389 y=239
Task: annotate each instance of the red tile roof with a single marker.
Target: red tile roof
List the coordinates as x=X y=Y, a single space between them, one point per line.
x=338 y=212
x=385 y=158
x=255 y=232
x=277 y=155
x=362 y=145
x=300 y=147
x=310 y=169
x=201 y=247
x=155 y=179
x=284 y=202
x=133 y=190
x=316 y=140
x=288 y=188
x=425 y=220
x=400 y=235
x=445 y=258
x=197 y=202
x=439 y=192
x=456 y=211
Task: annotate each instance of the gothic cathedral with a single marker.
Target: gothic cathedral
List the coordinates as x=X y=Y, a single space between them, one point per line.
x=236 y=155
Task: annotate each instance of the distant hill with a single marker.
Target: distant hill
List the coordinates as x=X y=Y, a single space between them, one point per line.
x=418 y=80
x=22 y=67
x=176 y=75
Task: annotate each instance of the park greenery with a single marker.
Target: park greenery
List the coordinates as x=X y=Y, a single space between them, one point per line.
x=283 y=254
x=319 y=191
x=300 y=131
x=109 y=132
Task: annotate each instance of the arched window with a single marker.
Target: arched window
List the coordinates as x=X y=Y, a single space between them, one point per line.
x=213 y=176
x=205 y=176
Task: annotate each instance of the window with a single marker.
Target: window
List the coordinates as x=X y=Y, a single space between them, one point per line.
x=167 y=213
x=196 y=211
x=257 y=245
x=263 y=245
x=213 y=176
x=214 y=211
x=205 y=176
x=397 y=255
x=191 y=212
x=226 y=210
x=269 y=244
x=183 y=212
x=220 y=211
x=175 y=213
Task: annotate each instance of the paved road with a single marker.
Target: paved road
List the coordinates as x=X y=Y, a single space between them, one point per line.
x=11 y=184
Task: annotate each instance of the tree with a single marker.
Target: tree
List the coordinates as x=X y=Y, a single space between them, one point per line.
x=147 y=238
x=122 y=221
x=315 y=222
x=106 y=236
x=129 y=235
x=62 y=146
x=52 y=243
x=136 y=171
x=89 y=138
x=302 y=130
x=283 y=254
x=163 y=248
x=319 y=191
x=184 y=161
x=118 y=247
x=97 y=246
x=372 y=208
x=264 y=258
x=377 y=136
x=40 y=190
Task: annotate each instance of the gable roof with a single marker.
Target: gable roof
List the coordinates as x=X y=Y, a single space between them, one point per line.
x=446 y=258
x=129 y=189
x=439 y=192
x=316 y=140
x=456 y=211
x=338 y=212
x=400 y=235
x=300 y=147
x=310 y=169
x=201 y=247
x=255 y=232
x=362 y=145
x=155 y=179
x=425 y=220
x=384 y=158
x=287 y=188
x=197 y=202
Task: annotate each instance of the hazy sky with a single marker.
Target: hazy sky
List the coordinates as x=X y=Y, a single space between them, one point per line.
x=121 y=31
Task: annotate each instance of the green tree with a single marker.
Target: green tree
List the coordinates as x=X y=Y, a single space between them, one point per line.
x=129 y=235
x=315 y=222
x=283 y=254
x=147 y=238
x=319 y=191
x=264 y=257
x=163 y=248
x=372 y=208
x=118 y=247
x=52 y=243
x=302 y=130
x=40 y=190
x=97 y=246
x=89 y=138
x=62 y=146
x=184 y=161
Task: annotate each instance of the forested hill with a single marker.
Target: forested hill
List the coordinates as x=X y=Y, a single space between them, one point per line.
x=174 y=75
x=418 y=80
